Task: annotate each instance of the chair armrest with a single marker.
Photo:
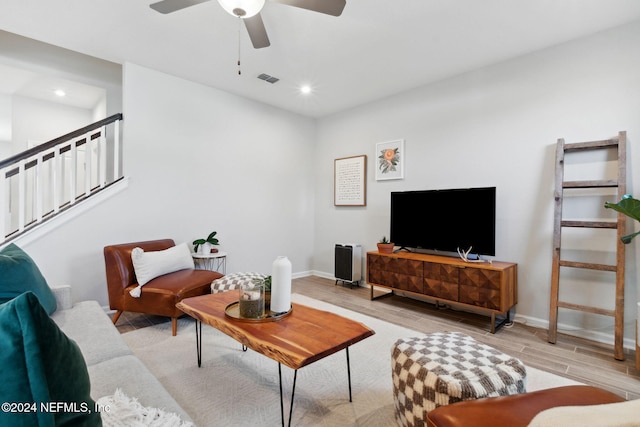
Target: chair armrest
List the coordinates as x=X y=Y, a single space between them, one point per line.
x=63 y=296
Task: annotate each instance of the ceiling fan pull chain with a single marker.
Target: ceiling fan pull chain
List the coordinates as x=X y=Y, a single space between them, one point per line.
x=239 y=43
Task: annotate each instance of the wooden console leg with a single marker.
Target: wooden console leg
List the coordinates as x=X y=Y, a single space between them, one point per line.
x=174 y=326
x=116 y=316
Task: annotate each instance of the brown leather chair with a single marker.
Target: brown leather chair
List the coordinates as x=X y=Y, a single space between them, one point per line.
x=160 y=295
x=516 y=410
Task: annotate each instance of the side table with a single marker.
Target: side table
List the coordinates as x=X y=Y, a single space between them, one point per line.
x=213 y=261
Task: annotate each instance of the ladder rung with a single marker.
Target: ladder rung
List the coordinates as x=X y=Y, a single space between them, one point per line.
x=588 y=265
x=592 y=145
x=605 y=183
x=586 y=308
x=590 y=224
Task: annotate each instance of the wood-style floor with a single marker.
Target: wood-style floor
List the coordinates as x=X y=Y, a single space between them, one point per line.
x=581 y=360
x=578 y=359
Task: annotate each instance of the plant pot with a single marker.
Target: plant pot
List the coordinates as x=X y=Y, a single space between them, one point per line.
x=386 y=248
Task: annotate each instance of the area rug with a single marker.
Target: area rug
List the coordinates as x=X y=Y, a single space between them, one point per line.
x=241 y=388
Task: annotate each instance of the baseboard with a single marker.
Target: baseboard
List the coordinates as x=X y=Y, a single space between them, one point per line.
x=574 y=331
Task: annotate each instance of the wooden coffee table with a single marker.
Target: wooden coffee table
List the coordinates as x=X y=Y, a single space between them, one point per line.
x=304 y=336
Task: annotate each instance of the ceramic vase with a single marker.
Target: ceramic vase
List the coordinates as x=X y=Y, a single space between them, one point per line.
x=205 y=248
x=281 y=285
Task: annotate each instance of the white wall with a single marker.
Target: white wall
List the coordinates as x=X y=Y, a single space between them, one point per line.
x=497 y=126
x=41 y=121
x=198 y=160
x=5 y=123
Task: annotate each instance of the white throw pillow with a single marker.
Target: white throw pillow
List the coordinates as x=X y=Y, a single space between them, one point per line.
x=149 y=265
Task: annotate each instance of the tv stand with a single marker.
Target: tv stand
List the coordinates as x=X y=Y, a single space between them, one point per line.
x=487 y=288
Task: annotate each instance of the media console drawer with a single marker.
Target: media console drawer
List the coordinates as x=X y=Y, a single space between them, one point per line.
x=490 y=287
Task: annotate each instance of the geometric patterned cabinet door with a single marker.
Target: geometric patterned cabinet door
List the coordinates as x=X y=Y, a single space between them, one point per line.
x=480 y=287
x=490 y=287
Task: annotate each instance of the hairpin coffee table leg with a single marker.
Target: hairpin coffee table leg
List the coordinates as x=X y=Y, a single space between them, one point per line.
x=349 y=374
x=199 y=341
x=293 y=393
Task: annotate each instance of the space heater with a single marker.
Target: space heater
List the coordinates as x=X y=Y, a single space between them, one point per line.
x=348 y=263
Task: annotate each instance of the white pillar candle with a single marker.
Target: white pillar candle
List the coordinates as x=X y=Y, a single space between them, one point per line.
x=281 y=285
x=250 y=295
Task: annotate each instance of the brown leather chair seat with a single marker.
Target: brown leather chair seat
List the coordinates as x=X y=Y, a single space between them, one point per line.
x=160 y=295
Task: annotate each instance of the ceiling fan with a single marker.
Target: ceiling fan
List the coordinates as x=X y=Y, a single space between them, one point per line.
x=249 y=11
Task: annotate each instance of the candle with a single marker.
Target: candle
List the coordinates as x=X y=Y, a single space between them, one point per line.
x=251 y=301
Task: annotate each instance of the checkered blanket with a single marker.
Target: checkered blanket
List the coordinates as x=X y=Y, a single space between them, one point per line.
x=443 y=368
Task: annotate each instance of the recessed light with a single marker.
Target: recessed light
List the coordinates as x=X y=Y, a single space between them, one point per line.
x=60 y=93
x=305 y=89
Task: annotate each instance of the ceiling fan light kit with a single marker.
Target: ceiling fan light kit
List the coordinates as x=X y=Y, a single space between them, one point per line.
x=242 y=8
x=249 y=11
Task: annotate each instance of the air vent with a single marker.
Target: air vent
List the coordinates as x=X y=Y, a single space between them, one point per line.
x=268 y=78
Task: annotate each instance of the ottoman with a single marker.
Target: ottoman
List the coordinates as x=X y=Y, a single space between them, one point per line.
x=233 y=281
x=442 y=368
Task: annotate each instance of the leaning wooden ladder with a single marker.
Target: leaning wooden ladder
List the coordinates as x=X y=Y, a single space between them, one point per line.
x=619 y=144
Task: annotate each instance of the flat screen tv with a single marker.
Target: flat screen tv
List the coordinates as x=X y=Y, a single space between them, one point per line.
x=445 y=220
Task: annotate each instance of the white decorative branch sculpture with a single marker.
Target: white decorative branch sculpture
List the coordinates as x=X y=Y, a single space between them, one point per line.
x=465 y=256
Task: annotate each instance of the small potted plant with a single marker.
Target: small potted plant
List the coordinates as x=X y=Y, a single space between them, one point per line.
x=384 y=246
x=205 y=245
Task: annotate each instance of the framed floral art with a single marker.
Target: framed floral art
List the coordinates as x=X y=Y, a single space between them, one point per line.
x=390 y=160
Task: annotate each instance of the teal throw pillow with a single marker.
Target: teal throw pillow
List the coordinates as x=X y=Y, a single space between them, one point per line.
x=18 y=274
x=44 y=376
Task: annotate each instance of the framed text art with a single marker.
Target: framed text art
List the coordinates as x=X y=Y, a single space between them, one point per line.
x=390 y=160
x=350 y=181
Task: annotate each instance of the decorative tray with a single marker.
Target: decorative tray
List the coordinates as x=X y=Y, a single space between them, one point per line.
x=233 y=311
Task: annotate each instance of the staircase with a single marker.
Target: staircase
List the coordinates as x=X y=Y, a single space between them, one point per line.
x=43 y=182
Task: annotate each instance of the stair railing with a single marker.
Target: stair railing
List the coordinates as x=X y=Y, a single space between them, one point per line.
x=45 y=180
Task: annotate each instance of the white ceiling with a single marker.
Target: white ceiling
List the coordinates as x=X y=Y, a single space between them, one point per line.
x=375 y=49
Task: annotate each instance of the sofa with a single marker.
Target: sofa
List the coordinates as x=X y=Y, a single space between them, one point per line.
x=110 y=362
x=66 y=364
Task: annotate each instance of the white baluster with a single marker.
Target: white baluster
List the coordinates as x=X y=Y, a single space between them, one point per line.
x=56 y=179
x=73 y=170
x=38 y=190
x=116 y=150
x=102 y=157
x=22 y=183
x=88 y=161
x=4 y=204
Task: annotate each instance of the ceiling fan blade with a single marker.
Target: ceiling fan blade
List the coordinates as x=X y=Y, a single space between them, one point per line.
x=257 y=32
x=329 y=7
x=169 y=6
